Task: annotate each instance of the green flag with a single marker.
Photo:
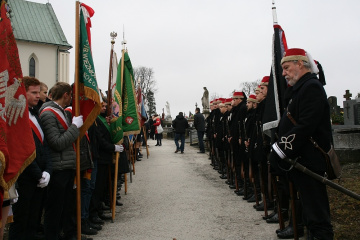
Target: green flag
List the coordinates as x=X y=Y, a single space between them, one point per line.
x=125 y=120
x=88 y=89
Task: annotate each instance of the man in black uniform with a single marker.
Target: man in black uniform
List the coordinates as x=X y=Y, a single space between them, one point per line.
x=220 y=137
x=237 y=119
x=227 y=148
x=199 y=123
x=307 y=120
x=214 y=123
x=251 y=167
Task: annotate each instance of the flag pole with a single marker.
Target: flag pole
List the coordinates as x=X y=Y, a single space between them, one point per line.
x=145 y=138
x=113 y=35
x=275 y=21
x=117 y=154
x=77 y=113
x=115 y=187
x=109 y=113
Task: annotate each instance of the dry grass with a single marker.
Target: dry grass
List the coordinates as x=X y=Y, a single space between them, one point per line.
x=345 y=211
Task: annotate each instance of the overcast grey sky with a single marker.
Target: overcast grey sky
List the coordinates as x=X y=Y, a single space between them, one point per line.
x=219 y=43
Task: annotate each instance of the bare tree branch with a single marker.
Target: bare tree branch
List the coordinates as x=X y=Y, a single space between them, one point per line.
x=249 y=87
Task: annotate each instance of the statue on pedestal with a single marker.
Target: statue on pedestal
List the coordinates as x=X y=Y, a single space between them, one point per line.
x=168 y=114
x=205 y=100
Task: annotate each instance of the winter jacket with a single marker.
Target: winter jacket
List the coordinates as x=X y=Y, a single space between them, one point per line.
x=180 y=124
x=157 y=123
x=199 y=122
x=60 y=140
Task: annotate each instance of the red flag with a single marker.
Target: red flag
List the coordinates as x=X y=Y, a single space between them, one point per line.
x=17 y=148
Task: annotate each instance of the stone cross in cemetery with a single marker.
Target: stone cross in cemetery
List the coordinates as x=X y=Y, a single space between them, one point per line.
x=334 y=108
x=351 y=110
x=347 y=95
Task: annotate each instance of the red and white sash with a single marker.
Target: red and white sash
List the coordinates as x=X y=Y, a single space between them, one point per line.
x=35 y=126
x=59 y=115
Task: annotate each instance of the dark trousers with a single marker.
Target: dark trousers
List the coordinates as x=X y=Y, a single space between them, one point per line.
x=181 y=137
x=27 y=210
x=315 y=202
x=60 y=199
x=87 y=188
x=201 y=140
x=101 y=186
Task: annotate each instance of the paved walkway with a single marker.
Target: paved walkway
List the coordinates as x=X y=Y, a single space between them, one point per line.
x=179 y=196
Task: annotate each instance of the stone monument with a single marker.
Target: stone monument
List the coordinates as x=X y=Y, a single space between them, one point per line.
x=351 y=110
x=334 y=108
x=205 y=101
x=168 y=114
x=347 y=137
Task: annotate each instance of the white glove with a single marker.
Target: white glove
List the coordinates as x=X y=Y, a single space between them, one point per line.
x=14 y=200
x=119 y=148
x=44 y=180
x=78 y=121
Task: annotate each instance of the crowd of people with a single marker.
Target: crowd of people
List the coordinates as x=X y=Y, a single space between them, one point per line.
x=247 y=157
x=45 y=207
x=251 y=160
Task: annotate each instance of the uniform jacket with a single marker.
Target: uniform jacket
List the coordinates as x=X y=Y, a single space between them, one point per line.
x=209 y=127
x=250 y=128
x=62 y=152
x=221 y=132
x=199 y=122
x=310 y=109
x=106 y=147
x=237 y=121
x=41 y=163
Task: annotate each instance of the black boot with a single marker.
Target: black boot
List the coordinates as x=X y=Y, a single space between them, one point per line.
x=275 y=218
x=97 y=227
x=288 y=232
x=86 y=229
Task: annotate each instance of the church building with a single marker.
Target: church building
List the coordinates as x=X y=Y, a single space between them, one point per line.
x=43 y=48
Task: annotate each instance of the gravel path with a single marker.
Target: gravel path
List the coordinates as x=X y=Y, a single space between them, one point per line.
x=179 y=196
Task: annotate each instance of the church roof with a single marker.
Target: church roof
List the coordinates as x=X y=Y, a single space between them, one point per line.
x=36 y=22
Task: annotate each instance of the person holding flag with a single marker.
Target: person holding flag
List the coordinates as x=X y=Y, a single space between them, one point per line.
x=105 y=157
x=302 y=120
x=14 y=115
x=32 y=182
x=60 y=132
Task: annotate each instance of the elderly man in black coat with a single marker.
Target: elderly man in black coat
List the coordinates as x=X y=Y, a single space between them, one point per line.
x=307 y=115
x=199 y=123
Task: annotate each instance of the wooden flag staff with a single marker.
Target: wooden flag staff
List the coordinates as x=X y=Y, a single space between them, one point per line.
x=77 y=113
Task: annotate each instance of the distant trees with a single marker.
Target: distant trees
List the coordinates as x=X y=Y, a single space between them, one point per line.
x=214 y=95
x=151 y=104
x=249 y=87
x=144 y=76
